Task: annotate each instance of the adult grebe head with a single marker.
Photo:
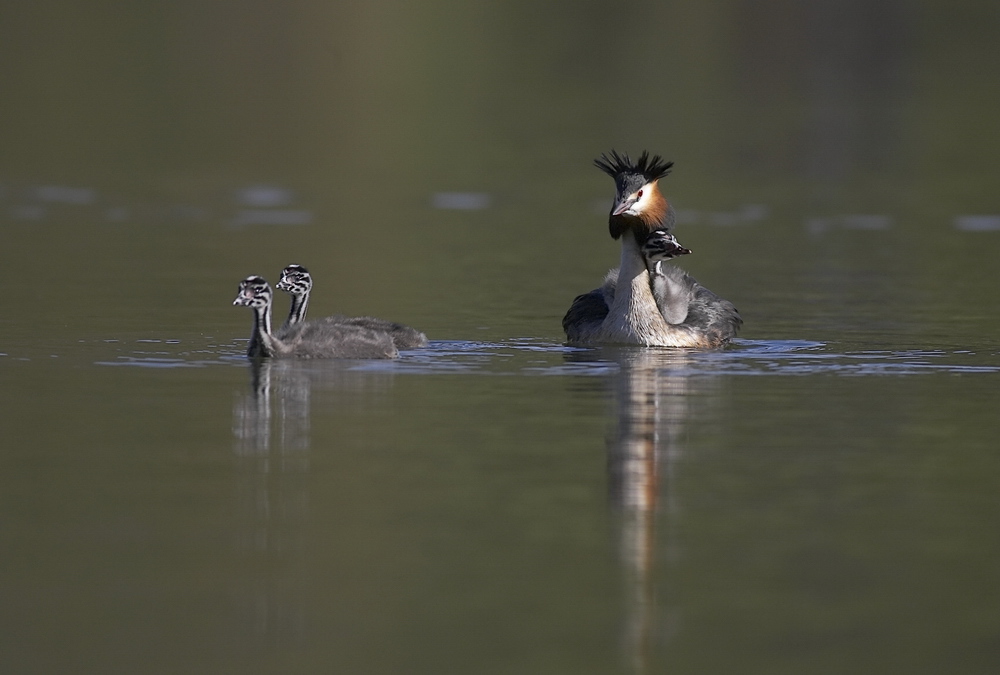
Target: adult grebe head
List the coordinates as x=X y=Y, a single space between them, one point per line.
x=639 y=205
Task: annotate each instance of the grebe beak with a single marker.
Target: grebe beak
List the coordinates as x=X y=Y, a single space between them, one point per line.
x=674 y=248
x=622 y=207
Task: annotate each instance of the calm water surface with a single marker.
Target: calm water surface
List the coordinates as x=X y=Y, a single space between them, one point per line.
x=818 y=497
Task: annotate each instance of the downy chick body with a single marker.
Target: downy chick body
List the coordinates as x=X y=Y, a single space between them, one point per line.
x=308 y=339
x=297 y=282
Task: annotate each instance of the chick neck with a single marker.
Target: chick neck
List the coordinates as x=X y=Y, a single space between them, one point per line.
x=297 y=311
x=261 y=341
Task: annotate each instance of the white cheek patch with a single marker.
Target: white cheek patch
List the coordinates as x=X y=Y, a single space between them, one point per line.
x=646 y=200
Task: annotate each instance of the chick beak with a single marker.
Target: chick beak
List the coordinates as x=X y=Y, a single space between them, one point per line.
x=673 y=247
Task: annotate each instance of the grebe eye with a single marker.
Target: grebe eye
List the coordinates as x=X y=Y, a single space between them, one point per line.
x=638 y=195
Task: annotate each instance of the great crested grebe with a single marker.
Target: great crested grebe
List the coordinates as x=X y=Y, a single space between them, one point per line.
x=309 y=339
x=297 y=282
x=644 y=302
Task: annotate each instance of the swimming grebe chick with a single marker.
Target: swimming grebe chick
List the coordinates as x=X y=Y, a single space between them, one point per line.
x=297 y=282
x=643 y=302
x=309 y=339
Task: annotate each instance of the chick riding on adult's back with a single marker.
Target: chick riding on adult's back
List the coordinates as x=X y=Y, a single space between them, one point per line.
x=645 y=302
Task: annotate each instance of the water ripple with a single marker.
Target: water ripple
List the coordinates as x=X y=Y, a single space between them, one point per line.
x=535 y=357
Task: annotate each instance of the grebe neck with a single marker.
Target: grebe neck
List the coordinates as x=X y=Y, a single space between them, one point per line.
x=297 y=312
x=634 y=317
x=261 y=341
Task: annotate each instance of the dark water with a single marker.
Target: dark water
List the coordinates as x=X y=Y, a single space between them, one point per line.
x=818 y=497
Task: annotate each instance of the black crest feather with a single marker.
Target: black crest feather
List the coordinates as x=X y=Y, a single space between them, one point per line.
x=617 y=166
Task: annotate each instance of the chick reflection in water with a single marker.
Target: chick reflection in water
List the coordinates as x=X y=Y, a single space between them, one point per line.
x=651 y=400
x=272 y=432
x=271 y=502
x=273 y=385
